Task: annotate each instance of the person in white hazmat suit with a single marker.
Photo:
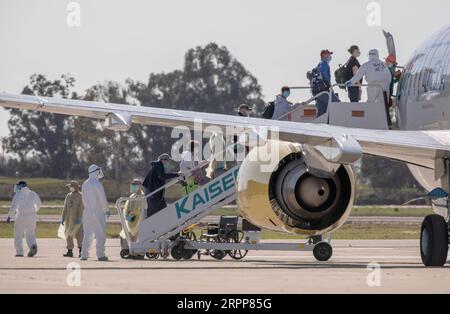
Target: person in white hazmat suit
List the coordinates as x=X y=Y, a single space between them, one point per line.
x=375 y=72
x=94 y=214
x=25 y=206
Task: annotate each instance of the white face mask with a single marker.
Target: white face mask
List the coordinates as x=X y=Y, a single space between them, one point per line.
x=100 y=174
x=71 y=189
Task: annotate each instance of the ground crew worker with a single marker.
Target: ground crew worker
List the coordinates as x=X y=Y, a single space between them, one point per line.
x=71 y=219
x=94 y=214
x=25 y=206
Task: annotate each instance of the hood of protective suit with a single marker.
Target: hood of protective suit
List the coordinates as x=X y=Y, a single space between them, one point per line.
x=95 y=172
x=374 y=55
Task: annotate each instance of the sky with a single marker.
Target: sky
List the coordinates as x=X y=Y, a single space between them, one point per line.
x=277 y=41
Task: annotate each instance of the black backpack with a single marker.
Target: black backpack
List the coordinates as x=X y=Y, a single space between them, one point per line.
x=341 y=75
x=316 y=81
x=269 y=110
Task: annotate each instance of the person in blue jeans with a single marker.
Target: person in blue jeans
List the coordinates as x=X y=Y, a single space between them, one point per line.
x=324 y=67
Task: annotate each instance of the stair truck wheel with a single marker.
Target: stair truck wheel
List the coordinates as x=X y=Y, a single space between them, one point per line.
x=322 y=251
x=236 y=236
x=177 y=251
x=152 y=255
x=124 y=253
x=434 y=241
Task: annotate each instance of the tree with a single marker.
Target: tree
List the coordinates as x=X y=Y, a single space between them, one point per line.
x=44 y=136
x=391 y=181
x=115 y=152
x=212 y=80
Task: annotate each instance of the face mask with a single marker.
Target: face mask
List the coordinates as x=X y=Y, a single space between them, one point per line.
x=329 y=58
x=17 y=189
x=286 y=94
x=71 y=189
x=358 y=54
x=134 y=188
x=100 y=174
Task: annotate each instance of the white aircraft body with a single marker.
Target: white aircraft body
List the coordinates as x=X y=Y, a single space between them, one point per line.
x=310 y=191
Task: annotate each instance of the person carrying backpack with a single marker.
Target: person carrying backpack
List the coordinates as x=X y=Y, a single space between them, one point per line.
x=320 y=80
x=351 y=68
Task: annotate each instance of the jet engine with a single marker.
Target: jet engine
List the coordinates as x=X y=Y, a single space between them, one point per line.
x=283 y=194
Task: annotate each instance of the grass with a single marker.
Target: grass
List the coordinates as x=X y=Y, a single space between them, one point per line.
x=358 y=211
x=55 y=190
x=347 y=232
x=49 y=230
x=391 y=212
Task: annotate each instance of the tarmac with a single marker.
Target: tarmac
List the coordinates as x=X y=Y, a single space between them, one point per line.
x=369 y=266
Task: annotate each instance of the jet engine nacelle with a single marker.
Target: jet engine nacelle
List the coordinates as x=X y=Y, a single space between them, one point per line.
x=282 y=195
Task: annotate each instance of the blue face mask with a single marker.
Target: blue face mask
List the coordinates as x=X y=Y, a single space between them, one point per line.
x=17 y=189
x=286 y=94
x=134 y=188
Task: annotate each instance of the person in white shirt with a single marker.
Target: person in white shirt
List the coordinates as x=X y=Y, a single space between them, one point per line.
x=25 y=206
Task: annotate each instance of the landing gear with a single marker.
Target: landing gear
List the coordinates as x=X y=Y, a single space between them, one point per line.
x=322 y=251
x=434 y=241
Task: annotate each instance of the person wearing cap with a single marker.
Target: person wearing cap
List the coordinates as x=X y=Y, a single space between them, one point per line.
x=156 y=179
x=377 y=75
x=25 y=205
x=132 y=212
x=282 y=106
x=352 y=67
x=324 y=67
x=71 y=218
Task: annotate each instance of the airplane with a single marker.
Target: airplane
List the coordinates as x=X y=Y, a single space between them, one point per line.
x=311 y=188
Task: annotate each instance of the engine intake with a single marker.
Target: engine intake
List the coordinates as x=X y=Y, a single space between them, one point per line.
x=290 y=198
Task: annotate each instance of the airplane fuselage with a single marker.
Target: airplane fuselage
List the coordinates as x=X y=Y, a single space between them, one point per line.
x=424 y=95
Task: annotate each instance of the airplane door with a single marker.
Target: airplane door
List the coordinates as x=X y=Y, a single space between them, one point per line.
x=390 y=43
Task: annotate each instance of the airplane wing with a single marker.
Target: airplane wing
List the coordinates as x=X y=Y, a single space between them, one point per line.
x=420 y=148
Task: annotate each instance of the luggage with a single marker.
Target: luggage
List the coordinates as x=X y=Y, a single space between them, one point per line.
x=341 y=75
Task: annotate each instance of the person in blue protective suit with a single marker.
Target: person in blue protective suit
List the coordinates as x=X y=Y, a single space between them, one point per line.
x=94 y=214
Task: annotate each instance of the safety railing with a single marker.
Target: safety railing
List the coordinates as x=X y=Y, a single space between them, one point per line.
x=330 y=93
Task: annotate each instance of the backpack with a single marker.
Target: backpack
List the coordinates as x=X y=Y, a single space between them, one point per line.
x=269 y=110
x=316 y=81
x=340 y=75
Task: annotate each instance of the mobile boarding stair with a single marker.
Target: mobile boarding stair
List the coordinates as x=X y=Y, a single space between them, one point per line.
x=363 y=114
x=161 y=233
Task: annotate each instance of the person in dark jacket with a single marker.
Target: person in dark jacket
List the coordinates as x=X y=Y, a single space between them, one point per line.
x=353 y=65
x=155 y=179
